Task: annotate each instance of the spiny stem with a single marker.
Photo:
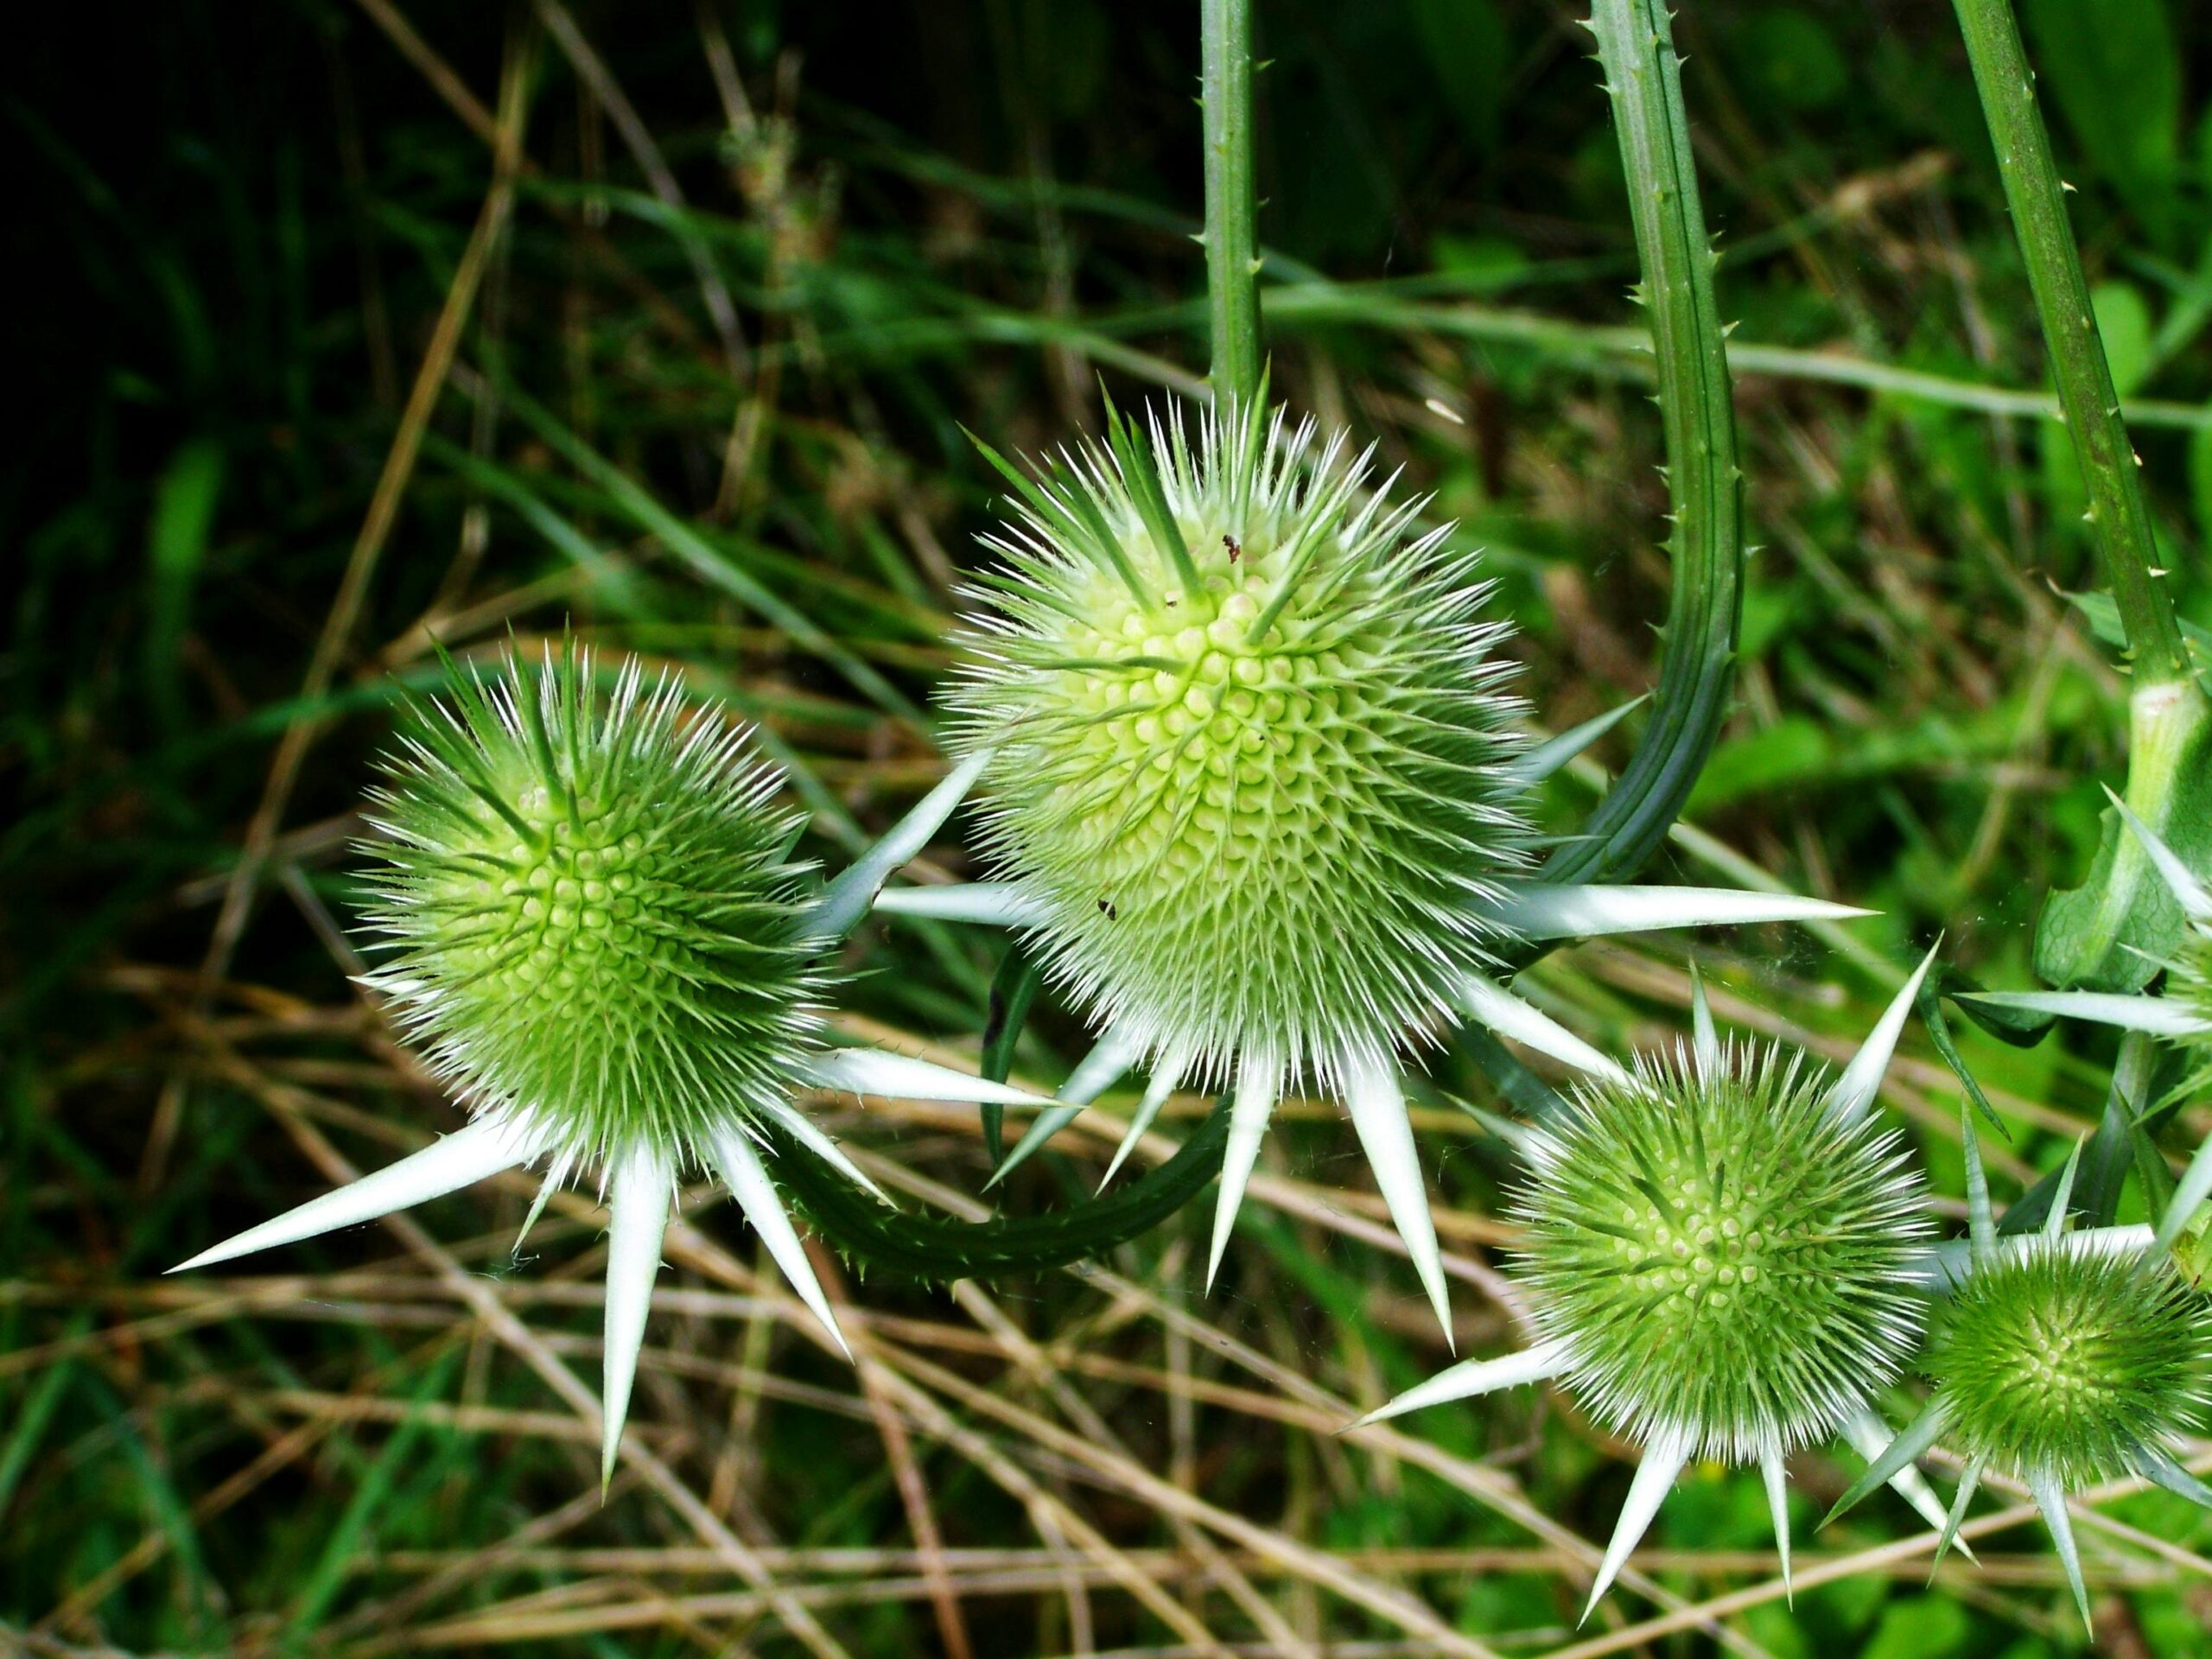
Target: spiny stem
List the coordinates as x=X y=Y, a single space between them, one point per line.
x=1635 y=46
x=1232 y=250
x=2109 y=467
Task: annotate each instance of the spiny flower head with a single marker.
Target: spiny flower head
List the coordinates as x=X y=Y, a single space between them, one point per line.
x=1250 y=746
x=601 y=937
x=594 y=909
x=1720 y=1254
x=2054 y=1361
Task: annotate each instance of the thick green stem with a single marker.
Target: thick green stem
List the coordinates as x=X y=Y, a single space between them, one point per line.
x=1642 y=74
x=1232 y=247
x=2109 y=467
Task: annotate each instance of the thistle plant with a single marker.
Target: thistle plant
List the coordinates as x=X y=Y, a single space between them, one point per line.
x=593 y=927
x=2064 y=1359
x=1721 y=1255
x=1256 y=786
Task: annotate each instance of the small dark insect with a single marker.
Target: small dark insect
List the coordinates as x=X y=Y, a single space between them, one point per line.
x=1236 y=548
x=1107 y=909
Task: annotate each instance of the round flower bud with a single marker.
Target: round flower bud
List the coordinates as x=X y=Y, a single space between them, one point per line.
x=2053 y=1362
x=1250 y=744
x=1721 y=1256
x=592 y=911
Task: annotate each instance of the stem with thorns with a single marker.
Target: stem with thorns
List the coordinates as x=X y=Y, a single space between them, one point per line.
x=2036 y=195
x=1232 y=250
x=1642 y=75
x=2168 y=713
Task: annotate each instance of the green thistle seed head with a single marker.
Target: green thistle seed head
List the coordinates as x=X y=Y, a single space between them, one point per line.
x=1250 y=742
x=1722 y=1255
x=593 y=909
x=2051 y=1362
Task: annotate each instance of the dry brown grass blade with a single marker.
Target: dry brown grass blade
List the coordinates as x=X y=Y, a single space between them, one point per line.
x=906 y=1472
x=1041 y=1372
x=1811 y=1577
x=485 y=1304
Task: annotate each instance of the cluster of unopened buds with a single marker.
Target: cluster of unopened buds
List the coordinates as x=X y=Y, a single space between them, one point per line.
x=1258 y=796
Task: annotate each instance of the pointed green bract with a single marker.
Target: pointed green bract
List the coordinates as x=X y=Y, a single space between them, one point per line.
x=1254 y=794
x=2053 y=1360
x=1720 y=1254
x=591 y=910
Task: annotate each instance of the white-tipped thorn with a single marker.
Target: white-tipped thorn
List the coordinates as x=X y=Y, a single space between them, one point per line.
x=557 y=1177
x=488 y=1147
x=1655 y=1477
x=1552 y=753
x=1491 y=1005
x=2050 y=1498
x=1969 y=1478
x=2157 y=1016
x=1775 y=1471
x=1855 y=1089
x=2195 y=1187
x=1471 y=1377
x=1535 y=910
x=644 y=1184
x=839 y=910
x=1112 y=1055
x=989 y=904
x=1165 y=1076
x=902 y=1077
x=1705 y=1041
x=1259 y=1080
x=802 y=1129
x=1870 y=1437
x=1376 y=1104
x=1042 y=1128
x=2054 y=1222
x=746 y=1177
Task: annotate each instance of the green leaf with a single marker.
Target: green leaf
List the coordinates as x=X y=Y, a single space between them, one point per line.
x=2117 y=929
x=1465 y=45
x=2114 y=71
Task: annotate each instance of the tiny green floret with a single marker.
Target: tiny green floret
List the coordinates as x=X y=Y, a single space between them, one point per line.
x=2054 y=1362
x=1250 y=743
x=1721 y=1256
x=593 y=909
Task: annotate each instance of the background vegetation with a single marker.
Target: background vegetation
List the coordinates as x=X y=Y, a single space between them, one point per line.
x=307 y=376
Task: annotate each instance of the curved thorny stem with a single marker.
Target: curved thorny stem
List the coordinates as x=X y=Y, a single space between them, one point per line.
x=1643 y=76
x=942 y=1249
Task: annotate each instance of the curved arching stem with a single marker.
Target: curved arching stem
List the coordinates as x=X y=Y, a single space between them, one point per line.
x=1642 y=75
x=878 y=1238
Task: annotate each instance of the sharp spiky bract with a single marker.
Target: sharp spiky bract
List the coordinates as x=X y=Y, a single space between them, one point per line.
x=2050 y=1361
x=1720 y=1254
x=593 y=916
x=1252 y=753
